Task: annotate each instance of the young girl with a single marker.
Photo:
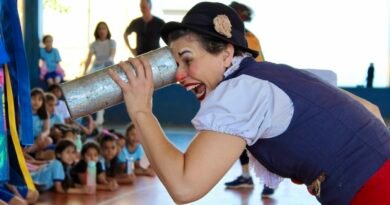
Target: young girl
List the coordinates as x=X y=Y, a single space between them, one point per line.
x=57 y=173
x=91 y=152
x=50 y=102
x=40 y=121
x=50 y=69
x=104 y=49
x=134 y=151
x=111 y=164
x=61 y=109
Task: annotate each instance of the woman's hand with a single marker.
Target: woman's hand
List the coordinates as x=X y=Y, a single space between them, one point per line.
x=138 y=91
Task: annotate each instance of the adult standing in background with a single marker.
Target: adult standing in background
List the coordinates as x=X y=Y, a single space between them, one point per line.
x=147 y=28
x=104 y=49
x=245 y=179
x=370 y=75
x=245 y=14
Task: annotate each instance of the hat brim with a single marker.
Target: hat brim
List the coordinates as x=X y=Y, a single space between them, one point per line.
x=171 y=26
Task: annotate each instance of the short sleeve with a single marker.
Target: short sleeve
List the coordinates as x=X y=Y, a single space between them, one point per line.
x=245 y=106
x=58 y=57
x=112 y=44
x=58 y=171
x=139 y=153
x=122 y=155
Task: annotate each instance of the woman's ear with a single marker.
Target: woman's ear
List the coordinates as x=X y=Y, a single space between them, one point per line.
x=228 y=54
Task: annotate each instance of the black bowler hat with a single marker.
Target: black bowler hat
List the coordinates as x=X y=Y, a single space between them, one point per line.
x=213 y=19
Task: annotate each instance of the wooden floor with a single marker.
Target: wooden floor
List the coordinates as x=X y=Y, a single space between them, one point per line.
x=149 y=191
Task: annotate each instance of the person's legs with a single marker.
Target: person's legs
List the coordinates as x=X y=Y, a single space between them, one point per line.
x=100 y=117
x=10 y=198
x=57 y=79
x=245 y=179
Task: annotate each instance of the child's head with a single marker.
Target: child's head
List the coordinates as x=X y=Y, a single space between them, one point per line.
x=121 y=139
x=66 y=151
x=132 y=135
x=102 y=32
x=90 y=151
x=38 y=102
x=109 y=147
x=51 y=101
x=47 y=40
x=56 y=90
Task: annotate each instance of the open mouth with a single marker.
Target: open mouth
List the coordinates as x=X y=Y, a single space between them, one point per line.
x=199 y=89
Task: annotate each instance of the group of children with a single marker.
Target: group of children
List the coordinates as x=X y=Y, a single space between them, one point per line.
x=63 y=149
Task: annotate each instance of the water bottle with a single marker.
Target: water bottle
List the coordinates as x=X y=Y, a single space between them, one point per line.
x=78 y=143
x=96 y=91
x=91 y=174
x=129 y=165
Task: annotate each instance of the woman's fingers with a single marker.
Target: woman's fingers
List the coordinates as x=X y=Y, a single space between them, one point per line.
x=115 y=77
x=147 y=69
x=129 y=71
x=139 y=68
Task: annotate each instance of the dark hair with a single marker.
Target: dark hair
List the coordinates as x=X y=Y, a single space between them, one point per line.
x=210 y=44
x=45 y=37
x=149 y=2
x=96 y=33
x=42 y=113
x=53 y=87
x=107 y=138
x=90 y=145
x=60 y=147
x=129 y=128
x=243 y=11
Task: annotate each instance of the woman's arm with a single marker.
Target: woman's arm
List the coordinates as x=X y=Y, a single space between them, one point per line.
x=187 y=176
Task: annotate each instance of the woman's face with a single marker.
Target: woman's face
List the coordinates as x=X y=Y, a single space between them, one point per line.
x=199 y=70
x=91 y=155
x=109 y=150
x=102 y=31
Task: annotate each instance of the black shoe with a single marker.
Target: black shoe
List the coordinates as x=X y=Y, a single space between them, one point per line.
x=240 y=182
x=267 y=192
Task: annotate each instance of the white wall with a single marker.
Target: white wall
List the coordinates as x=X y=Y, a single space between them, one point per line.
x=341 y=35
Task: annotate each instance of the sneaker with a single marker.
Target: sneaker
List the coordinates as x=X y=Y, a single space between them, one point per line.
x=240 y=182
x=267 y=192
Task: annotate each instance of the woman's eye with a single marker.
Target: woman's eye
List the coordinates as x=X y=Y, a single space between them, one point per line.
x=188 y=62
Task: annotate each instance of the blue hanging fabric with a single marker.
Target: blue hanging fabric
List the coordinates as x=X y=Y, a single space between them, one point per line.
x=4 y=164
x=18 y=68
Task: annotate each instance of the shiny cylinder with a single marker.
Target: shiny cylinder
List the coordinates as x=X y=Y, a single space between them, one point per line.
x=97 y=90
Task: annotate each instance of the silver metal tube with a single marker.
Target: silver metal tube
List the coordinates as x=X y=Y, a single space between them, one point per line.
x=97 y=91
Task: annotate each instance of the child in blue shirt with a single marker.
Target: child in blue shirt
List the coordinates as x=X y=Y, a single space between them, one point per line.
x=56 y=174
x=111 y=164
x=50 y=69
x=133 y=151
x=40 y=122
